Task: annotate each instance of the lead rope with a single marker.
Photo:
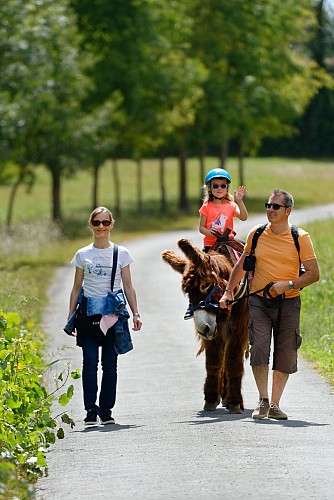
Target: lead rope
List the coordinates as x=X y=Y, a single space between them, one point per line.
x=270 y=301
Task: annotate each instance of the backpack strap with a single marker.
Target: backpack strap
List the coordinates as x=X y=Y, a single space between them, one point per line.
x=260 y=229
x=256 y=236
x=295 y=235
x=114 y=266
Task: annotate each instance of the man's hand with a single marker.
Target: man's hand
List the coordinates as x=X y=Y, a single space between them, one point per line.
x=278 y=288
x=222 y=303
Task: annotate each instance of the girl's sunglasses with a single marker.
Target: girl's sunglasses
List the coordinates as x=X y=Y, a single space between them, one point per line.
x=216 y=186
x=105 y=223
x=275 y=206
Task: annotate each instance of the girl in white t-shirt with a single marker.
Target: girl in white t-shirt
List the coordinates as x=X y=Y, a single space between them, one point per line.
x=93 y=268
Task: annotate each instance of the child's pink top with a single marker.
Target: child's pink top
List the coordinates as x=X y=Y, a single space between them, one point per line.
x=217 y=216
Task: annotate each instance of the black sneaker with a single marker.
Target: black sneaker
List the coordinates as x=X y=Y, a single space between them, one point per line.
x=91 y=417
x=106 y=418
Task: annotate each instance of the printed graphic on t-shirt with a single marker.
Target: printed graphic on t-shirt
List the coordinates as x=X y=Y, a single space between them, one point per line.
x=219 y=223
x=97 y=268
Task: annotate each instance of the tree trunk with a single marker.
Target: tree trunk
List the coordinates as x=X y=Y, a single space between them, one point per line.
x=139 y=186
x=96 y=170
x=115 y=173
x=163 y=200
x=12 y=196
x=201 y=167
x=224 y=153
x=56 y=203
x=241 y=164
x=183 y=200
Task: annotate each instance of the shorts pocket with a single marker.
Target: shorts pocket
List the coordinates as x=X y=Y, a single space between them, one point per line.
x=250 y=333
x=298 y=339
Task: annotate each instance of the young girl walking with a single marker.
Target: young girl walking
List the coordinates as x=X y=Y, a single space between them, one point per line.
x=219 y=209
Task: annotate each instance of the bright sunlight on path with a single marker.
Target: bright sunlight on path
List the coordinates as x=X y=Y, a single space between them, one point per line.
x=164 y=446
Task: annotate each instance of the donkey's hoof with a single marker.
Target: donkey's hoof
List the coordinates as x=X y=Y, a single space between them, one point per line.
x=235 y=408
x=210 y=406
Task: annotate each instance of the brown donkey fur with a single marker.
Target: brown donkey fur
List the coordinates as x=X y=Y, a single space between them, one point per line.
x=223 y=333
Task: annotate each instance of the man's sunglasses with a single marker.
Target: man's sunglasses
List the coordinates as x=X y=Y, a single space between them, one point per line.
x=105 y=223
x=275 y=206
x=216 y=186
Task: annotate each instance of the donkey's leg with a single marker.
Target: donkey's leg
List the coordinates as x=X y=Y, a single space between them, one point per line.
x=212 y=386
x=235 y=352
x=234 y=374
x=223 y=385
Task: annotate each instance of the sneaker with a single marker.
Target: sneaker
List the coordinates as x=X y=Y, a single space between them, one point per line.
x=261 y=410
x=91 y=417
x=189 y=313
x=106 y=418
x=276 y=412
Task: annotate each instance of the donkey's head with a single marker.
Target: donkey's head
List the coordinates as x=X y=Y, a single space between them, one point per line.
x=204 y=278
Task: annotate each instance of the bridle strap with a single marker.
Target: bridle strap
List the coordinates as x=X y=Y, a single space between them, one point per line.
x=206 y=302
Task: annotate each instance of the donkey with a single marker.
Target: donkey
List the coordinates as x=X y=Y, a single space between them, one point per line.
x=223 y=333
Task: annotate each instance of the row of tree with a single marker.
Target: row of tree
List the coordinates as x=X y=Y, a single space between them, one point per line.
x=83 y=81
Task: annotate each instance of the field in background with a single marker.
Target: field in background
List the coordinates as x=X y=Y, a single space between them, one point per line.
x=311 y=183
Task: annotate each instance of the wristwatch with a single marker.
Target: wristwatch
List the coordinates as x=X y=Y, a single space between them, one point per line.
x=291 y=285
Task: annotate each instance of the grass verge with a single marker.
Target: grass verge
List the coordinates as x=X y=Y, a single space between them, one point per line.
x=317 y=318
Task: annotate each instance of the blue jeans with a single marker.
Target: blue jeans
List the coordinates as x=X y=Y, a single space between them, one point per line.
x=90 y=350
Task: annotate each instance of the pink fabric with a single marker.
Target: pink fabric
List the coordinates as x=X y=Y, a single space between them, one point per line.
x=236 y=254
x=107 y=321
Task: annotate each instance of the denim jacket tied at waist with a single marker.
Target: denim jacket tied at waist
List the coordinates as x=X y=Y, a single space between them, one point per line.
x=113 y=303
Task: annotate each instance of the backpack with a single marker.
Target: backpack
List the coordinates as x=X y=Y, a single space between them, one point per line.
x=249 y=263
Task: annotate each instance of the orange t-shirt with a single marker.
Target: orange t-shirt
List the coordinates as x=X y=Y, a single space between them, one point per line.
x=217 y=216
x=277 y=257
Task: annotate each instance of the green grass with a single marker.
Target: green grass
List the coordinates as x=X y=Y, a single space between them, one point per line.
x=317 y=319
x=311 y=183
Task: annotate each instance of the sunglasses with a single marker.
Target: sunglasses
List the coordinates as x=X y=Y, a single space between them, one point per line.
x=105 y=223
x=275 y=206
x=216 y=186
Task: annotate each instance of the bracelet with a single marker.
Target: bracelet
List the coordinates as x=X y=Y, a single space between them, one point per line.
x=136 y=314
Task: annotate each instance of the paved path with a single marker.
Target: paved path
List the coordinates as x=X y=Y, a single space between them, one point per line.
x=164 y=446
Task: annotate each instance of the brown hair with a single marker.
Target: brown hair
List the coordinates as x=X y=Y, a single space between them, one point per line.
x=97 y=211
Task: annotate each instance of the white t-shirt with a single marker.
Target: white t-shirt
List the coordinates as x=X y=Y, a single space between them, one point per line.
x=97 y=266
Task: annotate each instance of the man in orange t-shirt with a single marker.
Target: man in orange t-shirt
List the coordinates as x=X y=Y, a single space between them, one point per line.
x=277 y=261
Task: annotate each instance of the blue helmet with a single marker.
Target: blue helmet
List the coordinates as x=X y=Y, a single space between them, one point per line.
x=217 y=173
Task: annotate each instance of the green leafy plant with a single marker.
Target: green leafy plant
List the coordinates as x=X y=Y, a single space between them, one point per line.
x=27 y=427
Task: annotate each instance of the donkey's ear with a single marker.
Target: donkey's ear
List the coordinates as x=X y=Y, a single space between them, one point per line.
x=175 y=261
x=196 y=256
